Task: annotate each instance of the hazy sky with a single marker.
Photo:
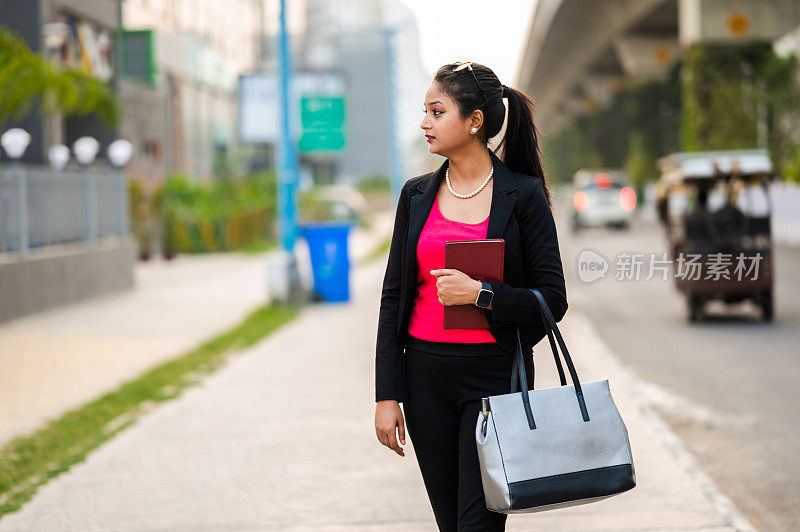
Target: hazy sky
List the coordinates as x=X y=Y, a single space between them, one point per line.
x=486 y=32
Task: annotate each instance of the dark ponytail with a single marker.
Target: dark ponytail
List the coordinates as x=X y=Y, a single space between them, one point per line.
x=520 y=145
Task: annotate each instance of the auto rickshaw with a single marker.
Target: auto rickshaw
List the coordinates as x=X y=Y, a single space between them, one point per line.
x=715 y=209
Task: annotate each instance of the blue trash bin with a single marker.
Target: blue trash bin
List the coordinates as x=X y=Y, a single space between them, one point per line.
x=330 y=261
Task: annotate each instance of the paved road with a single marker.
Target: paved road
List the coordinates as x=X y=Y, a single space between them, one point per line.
x=728 y=386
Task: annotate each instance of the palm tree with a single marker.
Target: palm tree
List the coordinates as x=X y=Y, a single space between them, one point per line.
x=26 y=77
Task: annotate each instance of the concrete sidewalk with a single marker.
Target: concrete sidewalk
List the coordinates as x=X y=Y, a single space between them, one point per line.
x=282 y=438
x=59 y=359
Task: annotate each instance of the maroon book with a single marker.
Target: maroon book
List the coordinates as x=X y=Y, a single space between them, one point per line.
x=481 y=260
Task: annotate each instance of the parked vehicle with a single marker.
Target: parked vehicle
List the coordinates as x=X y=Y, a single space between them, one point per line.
x=602 y=198
x=715 y=209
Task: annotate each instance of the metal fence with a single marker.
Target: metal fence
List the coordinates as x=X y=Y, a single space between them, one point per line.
x=40 y=207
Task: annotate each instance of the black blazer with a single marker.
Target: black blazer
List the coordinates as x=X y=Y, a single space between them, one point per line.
x=521 y=216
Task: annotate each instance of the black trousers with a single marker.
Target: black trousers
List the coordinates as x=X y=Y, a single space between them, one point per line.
x=441 y=413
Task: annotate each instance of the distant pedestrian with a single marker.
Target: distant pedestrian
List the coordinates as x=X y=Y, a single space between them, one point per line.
x=441 y=374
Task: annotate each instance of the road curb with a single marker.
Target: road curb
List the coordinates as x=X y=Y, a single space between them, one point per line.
x=628 y=379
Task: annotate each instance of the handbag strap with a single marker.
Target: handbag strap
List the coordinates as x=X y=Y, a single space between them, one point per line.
x=551 y=328
x=553 y=350
x=523 y=380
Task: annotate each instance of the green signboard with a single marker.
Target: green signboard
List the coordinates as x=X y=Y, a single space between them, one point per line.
x=138 y=56
x=323 y=123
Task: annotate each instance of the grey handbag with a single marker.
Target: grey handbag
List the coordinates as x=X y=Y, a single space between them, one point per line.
x=555 y=447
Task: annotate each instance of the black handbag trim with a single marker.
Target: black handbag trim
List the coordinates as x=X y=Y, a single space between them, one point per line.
x=568 y=487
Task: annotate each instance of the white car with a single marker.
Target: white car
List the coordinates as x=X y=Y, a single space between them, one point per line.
x=602 y=201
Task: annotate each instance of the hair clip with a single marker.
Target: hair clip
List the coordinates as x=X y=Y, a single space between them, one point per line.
x=462 y=65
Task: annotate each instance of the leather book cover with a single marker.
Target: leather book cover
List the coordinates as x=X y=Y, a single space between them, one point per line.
x=481 y=260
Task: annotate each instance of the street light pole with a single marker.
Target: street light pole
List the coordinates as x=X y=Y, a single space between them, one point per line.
x=22 y=201
x=396 y=177
x=288 y=172
x=85 y=149
x=119 y=153
x=15 y=141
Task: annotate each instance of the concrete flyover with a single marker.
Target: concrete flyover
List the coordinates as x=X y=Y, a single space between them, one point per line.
x=577 y=54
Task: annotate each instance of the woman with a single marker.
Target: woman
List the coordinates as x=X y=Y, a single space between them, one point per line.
x=441 y=374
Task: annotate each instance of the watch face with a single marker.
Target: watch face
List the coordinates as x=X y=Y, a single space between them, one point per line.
x=484 y=297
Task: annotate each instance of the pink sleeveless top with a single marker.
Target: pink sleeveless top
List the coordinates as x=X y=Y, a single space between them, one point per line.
x=427 y=314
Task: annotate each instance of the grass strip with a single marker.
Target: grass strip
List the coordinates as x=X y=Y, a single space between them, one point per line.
x=257 y=247
x=30 y=461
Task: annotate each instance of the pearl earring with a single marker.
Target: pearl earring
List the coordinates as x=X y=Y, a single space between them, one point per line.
x=474 y=129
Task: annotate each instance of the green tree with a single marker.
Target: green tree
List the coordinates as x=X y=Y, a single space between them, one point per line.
x=639 y=125
x=27 y=77
x=732 y=92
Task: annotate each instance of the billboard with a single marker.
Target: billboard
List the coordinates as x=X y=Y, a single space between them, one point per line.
x=259 y=102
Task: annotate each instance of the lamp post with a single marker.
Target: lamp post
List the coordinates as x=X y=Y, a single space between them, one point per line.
x=15 y=141
x=396 y=172
x=284 y=278
x=119 y=153
x=85 y=150
x=58 y=156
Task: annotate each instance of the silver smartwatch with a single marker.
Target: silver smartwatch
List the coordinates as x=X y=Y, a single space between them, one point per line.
x=485 y=296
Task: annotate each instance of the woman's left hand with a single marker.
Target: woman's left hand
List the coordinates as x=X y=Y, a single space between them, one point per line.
x=455 y=287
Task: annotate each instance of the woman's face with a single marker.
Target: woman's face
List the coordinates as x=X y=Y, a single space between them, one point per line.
x=446 y=132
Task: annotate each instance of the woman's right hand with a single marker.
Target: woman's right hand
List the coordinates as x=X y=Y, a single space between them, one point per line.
x=388 y=418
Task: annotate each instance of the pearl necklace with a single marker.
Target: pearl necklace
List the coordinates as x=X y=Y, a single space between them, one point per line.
x=465 y=196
